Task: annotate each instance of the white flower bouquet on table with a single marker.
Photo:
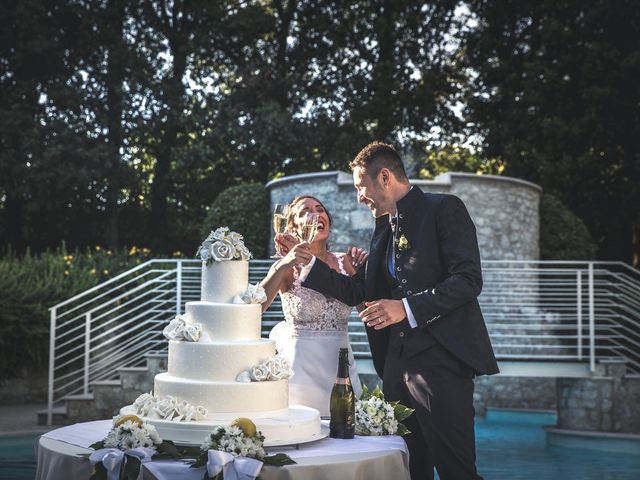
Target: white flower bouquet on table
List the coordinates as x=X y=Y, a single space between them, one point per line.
x=236 y=451
x=130 y=443
x=223 y=244
x=376 y=416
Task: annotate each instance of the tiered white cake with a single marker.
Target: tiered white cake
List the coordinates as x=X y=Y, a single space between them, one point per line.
x=203 y=373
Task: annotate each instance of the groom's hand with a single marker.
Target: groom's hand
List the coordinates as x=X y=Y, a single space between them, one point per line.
x=382 y=313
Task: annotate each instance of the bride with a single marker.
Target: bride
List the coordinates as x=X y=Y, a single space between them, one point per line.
x=315 y=326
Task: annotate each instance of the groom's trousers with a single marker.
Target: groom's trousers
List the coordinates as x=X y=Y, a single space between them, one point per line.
x=440 y=389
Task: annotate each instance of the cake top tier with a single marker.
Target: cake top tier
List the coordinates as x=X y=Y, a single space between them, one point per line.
x=223 y=245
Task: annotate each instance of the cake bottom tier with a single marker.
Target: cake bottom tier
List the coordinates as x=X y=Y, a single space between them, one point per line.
x=296 y=424
x=225 y=397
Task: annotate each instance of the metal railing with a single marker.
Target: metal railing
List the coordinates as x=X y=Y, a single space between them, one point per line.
x=534 y=310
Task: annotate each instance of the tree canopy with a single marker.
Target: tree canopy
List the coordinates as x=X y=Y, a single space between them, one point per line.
x=121 y=122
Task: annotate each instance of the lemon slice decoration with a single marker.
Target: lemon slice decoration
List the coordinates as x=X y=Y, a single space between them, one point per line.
x=246 y=425
x=127 y=418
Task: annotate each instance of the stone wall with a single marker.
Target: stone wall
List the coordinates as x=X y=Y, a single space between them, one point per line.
x=505 y=210
x=30 y=389
x=607 y=402
x=521 y=393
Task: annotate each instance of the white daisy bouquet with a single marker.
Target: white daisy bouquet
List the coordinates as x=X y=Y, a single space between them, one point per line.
x=232 y=439
x=236 y=446
x=223 y=244
x=128 y=444
x=375 y=416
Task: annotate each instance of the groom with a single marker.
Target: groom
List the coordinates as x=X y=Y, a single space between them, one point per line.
x=427 y=334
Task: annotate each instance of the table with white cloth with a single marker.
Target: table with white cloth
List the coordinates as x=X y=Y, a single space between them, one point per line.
x=58 y=456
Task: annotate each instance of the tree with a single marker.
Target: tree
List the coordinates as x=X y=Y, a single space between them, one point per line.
x=555 y=96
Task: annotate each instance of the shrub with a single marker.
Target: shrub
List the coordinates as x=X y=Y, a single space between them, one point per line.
x=244 y=209
x=31 y=284
x=563 y=235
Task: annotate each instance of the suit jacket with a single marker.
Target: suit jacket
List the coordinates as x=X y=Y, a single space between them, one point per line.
x=440 y=274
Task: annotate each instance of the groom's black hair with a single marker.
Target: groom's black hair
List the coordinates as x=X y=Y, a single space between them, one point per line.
x=378 y=155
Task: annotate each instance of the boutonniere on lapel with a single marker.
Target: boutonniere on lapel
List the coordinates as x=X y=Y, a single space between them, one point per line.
x=403 y=244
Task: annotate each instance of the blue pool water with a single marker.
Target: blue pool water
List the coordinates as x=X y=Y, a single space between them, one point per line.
x=510 y=446
x=17 y=457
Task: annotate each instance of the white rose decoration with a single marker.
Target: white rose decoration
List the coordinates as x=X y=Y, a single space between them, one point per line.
x=245 y=254
x=220 y=233
x=259 y=373
x=175 y=329
x=222 y=250
x=254 y=294
x=192 y=332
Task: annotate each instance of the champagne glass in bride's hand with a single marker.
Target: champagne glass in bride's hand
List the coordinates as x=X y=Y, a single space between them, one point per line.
x=308 y=229
x=280 y=218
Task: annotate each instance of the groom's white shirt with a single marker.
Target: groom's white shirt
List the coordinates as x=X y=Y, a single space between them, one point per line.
x=304 y=273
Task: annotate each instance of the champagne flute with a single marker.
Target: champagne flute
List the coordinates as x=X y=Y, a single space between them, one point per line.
x=280 y=219
x=309 y=227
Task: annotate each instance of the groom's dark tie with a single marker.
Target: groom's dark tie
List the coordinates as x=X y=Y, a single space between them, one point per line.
x=390 y=259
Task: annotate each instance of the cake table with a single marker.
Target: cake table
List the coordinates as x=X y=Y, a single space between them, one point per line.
x=363 y=458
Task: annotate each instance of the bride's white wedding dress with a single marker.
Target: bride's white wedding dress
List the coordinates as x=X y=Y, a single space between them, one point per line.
x=310 y=337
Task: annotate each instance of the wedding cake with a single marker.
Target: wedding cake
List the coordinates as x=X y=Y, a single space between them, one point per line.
x=219 y=367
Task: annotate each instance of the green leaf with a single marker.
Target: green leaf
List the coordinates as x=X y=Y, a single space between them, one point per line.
x=99 y=472
x=132 y=468
x=97 y=445
x=365 y=393
x=402 y=429
x=200 y=461
x=400 y=412
x=169 y=449
x=377 y=392
x=278 y=460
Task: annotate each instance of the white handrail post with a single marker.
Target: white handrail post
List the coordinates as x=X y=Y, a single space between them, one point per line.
x=52 y=357
x=87 y=353
x=579 y=310
x=178 y=286
x=592 y=326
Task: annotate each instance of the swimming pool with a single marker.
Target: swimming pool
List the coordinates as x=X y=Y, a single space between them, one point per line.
x=17 y=457
x=510 y=446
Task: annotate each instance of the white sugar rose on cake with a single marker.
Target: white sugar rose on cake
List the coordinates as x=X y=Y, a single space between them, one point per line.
x=213 y=349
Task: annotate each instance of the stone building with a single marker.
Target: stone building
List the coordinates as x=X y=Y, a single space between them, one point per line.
x=505 y=210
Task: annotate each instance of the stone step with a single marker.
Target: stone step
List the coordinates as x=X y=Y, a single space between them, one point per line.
x=59 y=416
x=157 y=361
x=136 y=378
x=80 y=408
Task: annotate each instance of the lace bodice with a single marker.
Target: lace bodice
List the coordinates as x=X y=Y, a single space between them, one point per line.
x=307 y=310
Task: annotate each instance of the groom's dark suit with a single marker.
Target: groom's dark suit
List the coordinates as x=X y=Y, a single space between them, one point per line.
x=430 y=367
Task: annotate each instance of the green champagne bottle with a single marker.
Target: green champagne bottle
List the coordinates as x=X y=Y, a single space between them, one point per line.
x=342 y=406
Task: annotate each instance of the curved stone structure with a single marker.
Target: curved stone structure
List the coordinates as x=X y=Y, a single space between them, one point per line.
x=505 y=210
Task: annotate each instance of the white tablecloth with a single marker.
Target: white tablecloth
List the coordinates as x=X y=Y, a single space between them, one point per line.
x=365 y=458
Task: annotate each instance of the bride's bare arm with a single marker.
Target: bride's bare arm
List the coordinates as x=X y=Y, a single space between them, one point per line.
x=280 y=276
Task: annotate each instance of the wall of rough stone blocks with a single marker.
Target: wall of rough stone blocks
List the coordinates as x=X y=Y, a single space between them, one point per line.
x=606 y=402
x=505 y=210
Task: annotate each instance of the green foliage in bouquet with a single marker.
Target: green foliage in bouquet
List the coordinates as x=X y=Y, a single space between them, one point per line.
x=563 y=235
x=400 y=412
x=244 y=209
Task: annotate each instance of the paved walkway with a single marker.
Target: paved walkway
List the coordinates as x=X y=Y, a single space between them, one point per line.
x=20 y=419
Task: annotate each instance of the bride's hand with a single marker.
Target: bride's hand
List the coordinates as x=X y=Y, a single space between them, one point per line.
x=299 y=254
x=284 y=242
x=356 y=256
